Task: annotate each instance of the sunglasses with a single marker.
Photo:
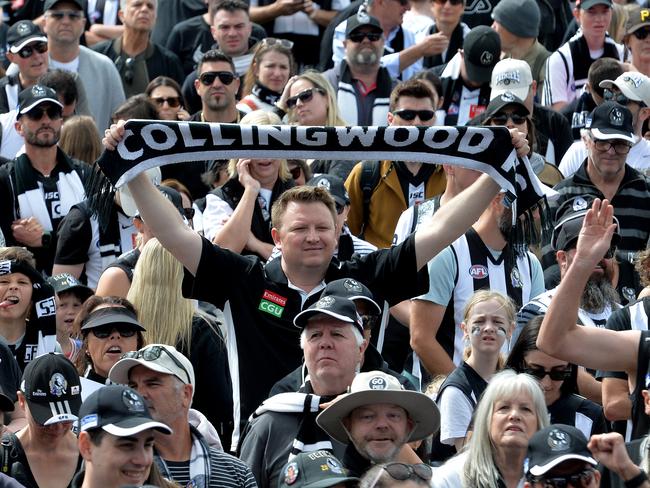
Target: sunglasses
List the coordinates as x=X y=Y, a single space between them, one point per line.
x=105 y=331
x=582 y=478
x=125 y=67
x=304 y=96
x=188 y=213
x=501 y=118
x=403 y=472
x=272 y=41
x=295 y=172
x=619 y=147
x=71 y=14
x=225 y=77
x=38 y=47
x=171 y=101
x=423 y=115
x=641 y=34
x=360 y=36
x=619 y=98
x=52 y=111
x=554 y=374
x=153 y=353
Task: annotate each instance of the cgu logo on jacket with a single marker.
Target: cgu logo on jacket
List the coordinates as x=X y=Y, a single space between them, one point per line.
x=272 y=303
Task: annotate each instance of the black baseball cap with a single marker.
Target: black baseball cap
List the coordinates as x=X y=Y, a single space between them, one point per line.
x=341 y=308
x=609 y=121
x=32 y=97
x=49 y=4
x=118 y=410
x=317 y=469
x=111 y=315
x=6 y=405
x=52 y=388
x=362 y=19
x=482 y=50
x=503 y=100
x=334 y=185
x=352 y=290
x=587 y=4
x=569 y=218
x=65 y=282
x=22 y=33
x=553 y=445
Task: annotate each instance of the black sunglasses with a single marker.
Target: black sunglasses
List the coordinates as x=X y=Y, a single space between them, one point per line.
x=403 y=472
x=583 y=478
x=619 y=147
x=296 y=171
x=225 y=77
x=52 y=111
x=554 y=374
x=60 y=14
x=105 y=331
x=641 y=34
x=619 y=98
x=171 y=101
x=38 y=47
x=304 y=96
x=423 y=115
x=501 y=118
x=360 y=36
x=152 y=353
x=125 y=68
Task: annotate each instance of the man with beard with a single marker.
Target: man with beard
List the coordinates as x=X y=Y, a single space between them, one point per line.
x=599 y=296
x=38 y=188
x=217 y=85
x=363 y=86
x=482 y=258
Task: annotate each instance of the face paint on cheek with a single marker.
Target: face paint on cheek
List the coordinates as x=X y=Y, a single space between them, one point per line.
x=476 y=330
x=501 y=332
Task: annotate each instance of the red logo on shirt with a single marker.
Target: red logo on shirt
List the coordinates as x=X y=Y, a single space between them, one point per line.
x=272 y=297
x=478 y=272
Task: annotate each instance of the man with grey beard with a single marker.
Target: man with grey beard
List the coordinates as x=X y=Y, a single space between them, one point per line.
x=599 y=296
x=363 y=86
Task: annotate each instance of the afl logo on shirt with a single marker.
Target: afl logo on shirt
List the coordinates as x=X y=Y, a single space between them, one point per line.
x=478 y=272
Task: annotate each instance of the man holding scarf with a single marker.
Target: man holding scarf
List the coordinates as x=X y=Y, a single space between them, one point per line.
x=39 y=187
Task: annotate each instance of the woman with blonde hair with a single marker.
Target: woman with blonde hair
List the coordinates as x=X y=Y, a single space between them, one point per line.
x=171 y=319
x=267 y=75
x=488 y=322
x=80 y=140
x=511 y=410
x=237 y=215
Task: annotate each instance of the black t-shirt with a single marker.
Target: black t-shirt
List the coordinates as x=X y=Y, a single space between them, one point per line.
x=10 y=373
x=259 y=307
x=189 y=40
x=572 y=409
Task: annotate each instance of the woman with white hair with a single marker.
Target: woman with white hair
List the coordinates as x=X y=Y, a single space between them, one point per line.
x=511 y=410
x=238 y=214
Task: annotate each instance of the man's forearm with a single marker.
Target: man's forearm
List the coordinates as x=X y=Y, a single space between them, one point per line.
x=262 y=15
x=409 y=56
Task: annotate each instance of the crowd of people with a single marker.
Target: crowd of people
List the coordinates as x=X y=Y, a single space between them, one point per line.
x=335 y=321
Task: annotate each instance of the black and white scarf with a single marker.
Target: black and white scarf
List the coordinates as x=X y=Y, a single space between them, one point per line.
x=199 y=463
x=347 y=98
x=265 y=94
x=148 y=144
x=48 y=199
x=309 y=437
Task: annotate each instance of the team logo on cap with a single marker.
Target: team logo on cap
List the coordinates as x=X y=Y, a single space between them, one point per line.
x=352 y=285
x=558 y=440
x=486 y=58
x=38 y=91
x=363 y=17
x=23 y=29
x=334 y=466
x=579 y=204
x=324 y=183
x=635 y=81
x=58 y=385
x=132 y=402
x=291 y=473
x=616 y=117
x=508 y=77
x=325 y=302
x=377 y=383
x=507 y=97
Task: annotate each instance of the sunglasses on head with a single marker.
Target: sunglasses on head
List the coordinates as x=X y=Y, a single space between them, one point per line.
x=423 y=115
x=171 y=101
x=403 y=472
x=38 y=47
x=152 y=353
x=303 y=96
x=619 y=98
x=273 y=41
x=554 y=374
x=60 y=14
x=583 y=478
x=53 y=112
x=104 y=331
x=360 y=36
x=225 y=77
x=641 y=34
x=501 y=118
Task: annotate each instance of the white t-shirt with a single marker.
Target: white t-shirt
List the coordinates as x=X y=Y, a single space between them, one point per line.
x=455 y=415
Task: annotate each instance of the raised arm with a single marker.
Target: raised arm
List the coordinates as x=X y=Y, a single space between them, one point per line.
x=159 y=213
x=560 y=336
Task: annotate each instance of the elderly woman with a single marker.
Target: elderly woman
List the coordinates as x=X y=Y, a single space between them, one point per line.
x=108 y=327
x=511 y=410
x=237 y=216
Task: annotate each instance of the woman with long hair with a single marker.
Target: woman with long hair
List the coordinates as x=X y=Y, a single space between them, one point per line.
x=267 y=75
x=511 y=410
x=166 y=94
x=558 y=380
x=489 y=319
x=171 y=319
x=79 y=139
x=237 y=216
x=108 y=327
